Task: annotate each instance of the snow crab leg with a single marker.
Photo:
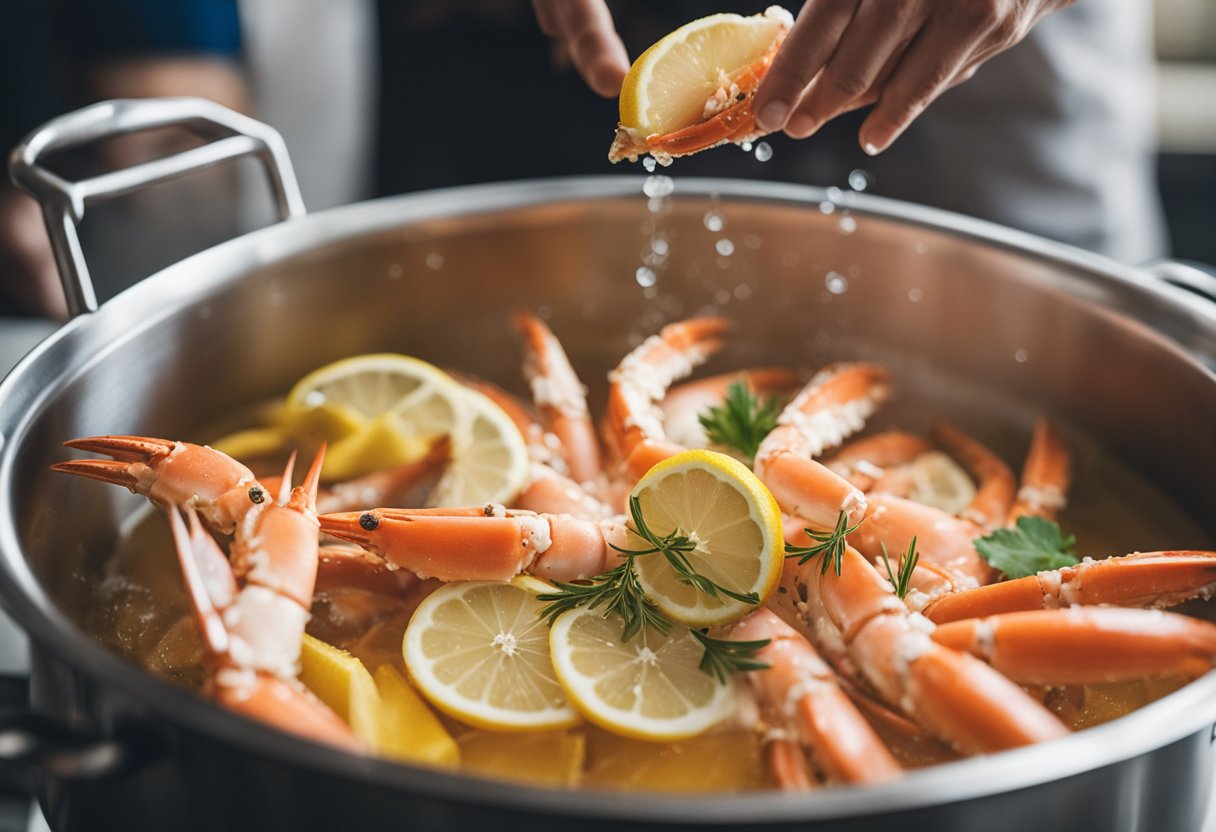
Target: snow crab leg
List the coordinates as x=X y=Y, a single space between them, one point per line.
x=252 y=613
x=1045 y=476
x=728 y=118
x=172 y=473
x=832 y=406
x=560 y=396
x=996 y=485
x=482 y=544
x=799 y=690
x=860 y=623
x=1086 y=645
x=1144 y=579
x=634 y=424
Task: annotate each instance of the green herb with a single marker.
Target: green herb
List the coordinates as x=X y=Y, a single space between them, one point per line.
x=1034 y=545
x=676 y=546
x=741 y=421
x=907 y=563
x=617 y=591
x=829 y=544
x=723 y=657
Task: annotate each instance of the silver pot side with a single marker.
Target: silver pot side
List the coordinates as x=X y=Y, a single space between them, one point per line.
x=985 y=325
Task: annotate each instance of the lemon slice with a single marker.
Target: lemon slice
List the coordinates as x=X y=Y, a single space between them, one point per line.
x=719 y=504
x=480 y=653
x=382 y=410
x=649 y=687
x=669 y=84
x=939 y=481
x=489 y=455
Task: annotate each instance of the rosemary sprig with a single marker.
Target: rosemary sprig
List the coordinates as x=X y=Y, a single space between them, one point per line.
x=676 y=546
x=829 y=544
x=723 y=657
x=617 y=591
x=907 y=563
x=741 y=421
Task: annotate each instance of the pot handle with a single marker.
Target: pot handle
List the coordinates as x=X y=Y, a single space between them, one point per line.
x=1198 y=278
x=230 y=135
x=33 y=740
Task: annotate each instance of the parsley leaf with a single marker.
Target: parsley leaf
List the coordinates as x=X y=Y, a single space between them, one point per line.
x=741 y=421
x=1035 y=545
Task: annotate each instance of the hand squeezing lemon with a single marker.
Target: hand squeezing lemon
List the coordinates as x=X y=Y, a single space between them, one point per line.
x=692 y=89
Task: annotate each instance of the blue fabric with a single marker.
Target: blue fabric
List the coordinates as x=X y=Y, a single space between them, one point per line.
x=100 y=28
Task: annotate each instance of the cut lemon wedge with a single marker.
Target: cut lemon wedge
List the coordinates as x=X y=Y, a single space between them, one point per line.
x=668 y=86
x=650 y=687
x=734 y=522
x=480 y=653
x=382 y=410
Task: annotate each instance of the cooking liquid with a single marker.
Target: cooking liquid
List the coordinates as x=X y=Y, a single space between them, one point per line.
x=140 y=611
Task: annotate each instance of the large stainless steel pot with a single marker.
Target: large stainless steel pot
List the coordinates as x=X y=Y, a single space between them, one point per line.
x=991 y=324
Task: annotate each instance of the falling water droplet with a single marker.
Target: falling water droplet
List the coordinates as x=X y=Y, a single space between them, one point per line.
x=714 y=221
x=764 y=152
x=645 y=276
x=860 y=180
x=915 y=295
x=649 y=163
x=827 y=207
x=834 y=193
x=1021 y=356
x=434 y=260
x=847 y=224
x=658 y=186
x=725 y=247
x=660 y=246
x=747 y=147
x=836 y=283
x=395 y=271
x=922 y=248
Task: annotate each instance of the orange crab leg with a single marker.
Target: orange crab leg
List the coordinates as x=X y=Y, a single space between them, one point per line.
x=686 y=403
x=1045 y=476
x=560 y=396
x=634 y=424
x=736 y=123
x=941 y=538
x=1146 y=579
x=171 y=474
x=954 y=695
x=1086 y=645
x=237 y=682
x=798 y=686
x=467 y=544
x=863 y=461
x=832 y=406
x=995 y=482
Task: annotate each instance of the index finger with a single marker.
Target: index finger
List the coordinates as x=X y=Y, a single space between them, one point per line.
x=807 y=47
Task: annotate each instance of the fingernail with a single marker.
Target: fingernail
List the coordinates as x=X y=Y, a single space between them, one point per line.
x=772 y=115
x=801 y=126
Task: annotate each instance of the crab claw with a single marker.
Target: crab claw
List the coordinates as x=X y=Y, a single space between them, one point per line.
x=171 y=473
x=478 y=544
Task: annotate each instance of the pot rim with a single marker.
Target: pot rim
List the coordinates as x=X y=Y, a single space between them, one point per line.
x=38 y=378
